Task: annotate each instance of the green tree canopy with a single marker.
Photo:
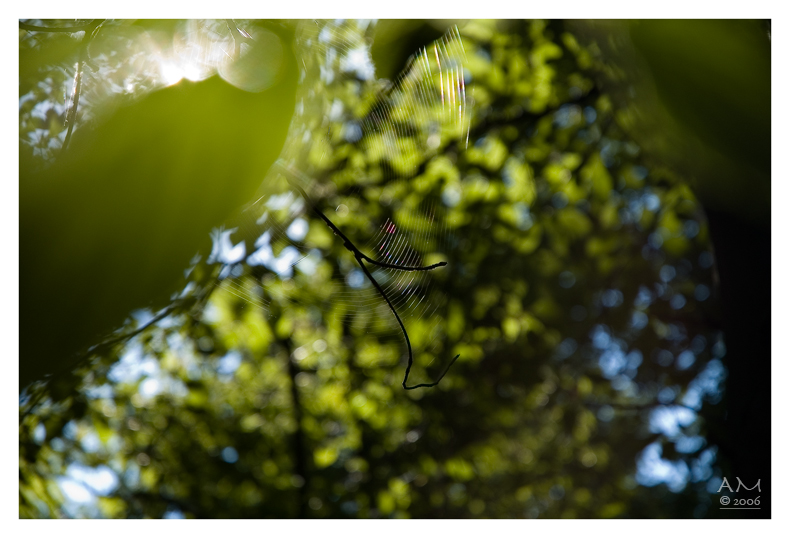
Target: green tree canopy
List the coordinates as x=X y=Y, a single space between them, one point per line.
x=579 y=289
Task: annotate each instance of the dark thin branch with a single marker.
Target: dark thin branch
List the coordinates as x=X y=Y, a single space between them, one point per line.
x=346 y=241
x=402 y=327
x=361 y=258
x=127 y=336
x=359 y=255
x=300 y=461
x=65 y=30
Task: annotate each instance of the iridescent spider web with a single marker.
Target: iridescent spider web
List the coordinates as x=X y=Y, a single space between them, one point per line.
x=424 y=111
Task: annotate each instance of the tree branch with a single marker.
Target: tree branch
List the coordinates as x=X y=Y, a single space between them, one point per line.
x=300 y=461
x=361 y=258
x=90 y=29
x=403 y=329
x=100 y=348
x=71 y=118
x=65 y=30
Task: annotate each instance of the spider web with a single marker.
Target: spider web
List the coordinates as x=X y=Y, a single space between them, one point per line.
x=400 y=127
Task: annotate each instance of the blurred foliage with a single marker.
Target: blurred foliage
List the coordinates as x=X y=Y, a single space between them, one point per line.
x=111 y=225
x=579 y=292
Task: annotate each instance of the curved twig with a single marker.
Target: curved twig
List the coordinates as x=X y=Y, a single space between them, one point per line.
x=357 y=253
x=361 y=258
x=346 y=241
x=403 y=330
